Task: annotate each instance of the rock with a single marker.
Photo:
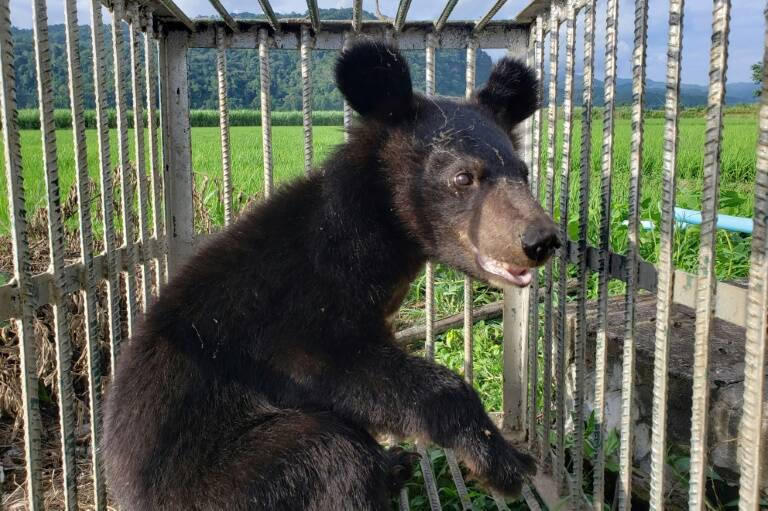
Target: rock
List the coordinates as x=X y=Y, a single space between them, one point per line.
x=725 y=380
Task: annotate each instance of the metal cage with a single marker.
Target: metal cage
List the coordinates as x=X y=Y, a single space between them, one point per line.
x=154 y=231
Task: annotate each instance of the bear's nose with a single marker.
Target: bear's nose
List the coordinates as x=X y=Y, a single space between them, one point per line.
x=540 y=242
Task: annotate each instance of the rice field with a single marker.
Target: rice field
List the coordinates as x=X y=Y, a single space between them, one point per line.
x=737 y=196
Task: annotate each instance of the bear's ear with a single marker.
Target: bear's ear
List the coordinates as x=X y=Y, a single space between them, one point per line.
x=511 y=93
x=374 y=78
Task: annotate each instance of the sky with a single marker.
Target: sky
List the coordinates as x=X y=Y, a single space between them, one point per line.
x=746 y=38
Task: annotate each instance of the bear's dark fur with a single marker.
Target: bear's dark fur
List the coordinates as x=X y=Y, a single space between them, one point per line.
x=260 y=375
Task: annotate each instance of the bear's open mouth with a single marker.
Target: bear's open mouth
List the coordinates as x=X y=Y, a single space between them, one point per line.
x=514 y=275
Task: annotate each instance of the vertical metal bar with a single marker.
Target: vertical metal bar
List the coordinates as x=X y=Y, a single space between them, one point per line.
x=137 y=89
x=458 y=479
x=635 y=168
x=554 y=47
x=226 y=164
x=357 y=15
x=177 y=149
x=430 y=45
x=752 y=442
x=65 y=398
x=562 y=264
x=580 y=337
x=403 y=504
x=665 y=266
x=157 y=206
x=499 y=501
x=347 y=109
x=601 y=354
x=429 y=478
x=468 y=344
x=530 y=498
x=562 y=284
x=468 y=369
x=266 y=110
x=112 y=284
x=429 y=344
x=21 y=270
x=306 y=95
x=516 y=308
x=471 y=66
x=429 y=293
x=86 y=251
x=705 y=289
x=126 y=190
x=533 y=321
x=429 y=311
x=514 y=370
x=163 y=97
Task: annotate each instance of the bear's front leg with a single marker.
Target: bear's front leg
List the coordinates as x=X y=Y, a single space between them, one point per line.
x=393 y=392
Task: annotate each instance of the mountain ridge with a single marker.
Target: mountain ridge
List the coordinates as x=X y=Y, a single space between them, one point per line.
x=285 y=86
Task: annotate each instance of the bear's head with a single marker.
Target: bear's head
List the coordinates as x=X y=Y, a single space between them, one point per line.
x=456 y=179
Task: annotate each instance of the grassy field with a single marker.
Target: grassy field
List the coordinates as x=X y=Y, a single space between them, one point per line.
x=29 y=118
x=737 y=197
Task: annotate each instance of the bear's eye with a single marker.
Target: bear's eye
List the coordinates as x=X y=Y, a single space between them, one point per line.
x=463 y=179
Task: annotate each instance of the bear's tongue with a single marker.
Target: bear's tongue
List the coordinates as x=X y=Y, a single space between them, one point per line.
x=520 y=277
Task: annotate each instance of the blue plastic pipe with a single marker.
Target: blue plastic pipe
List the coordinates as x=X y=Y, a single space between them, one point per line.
x=686 y=217
x=727 y=222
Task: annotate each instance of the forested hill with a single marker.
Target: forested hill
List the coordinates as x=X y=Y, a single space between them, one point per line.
x=242 y=71
x=243 y=74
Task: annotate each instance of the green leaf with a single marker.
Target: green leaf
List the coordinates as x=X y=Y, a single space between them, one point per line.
x=682 y=464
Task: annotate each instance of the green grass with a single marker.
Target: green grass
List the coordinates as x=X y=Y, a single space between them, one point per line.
x=736 y=197
x=740 y=135
x=29 y=118
x=247 y=170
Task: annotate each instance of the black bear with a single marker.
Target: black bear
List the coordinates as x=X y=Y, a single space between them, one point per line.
x=261 y=375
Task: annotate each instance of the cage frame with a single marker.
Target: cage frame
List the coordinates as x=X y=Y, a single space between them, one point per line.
x=162 y=29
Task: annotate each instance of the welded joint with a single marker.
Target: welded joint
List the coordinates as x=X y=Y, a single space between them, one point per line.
x=118 y=10
x=544 y=18
x=226 y=17
x=222 y=37
x=270 y=14
x=132 y=15
x=557 y=6
x=402 y=14
x=556 y=16
x=45 y=289
x=314 y=14
x=482 y=22
x=357 y=16
x=146 y=24
x=577 y=5
x=443 y=18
